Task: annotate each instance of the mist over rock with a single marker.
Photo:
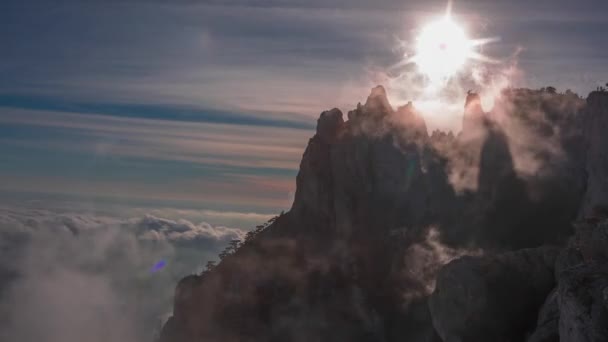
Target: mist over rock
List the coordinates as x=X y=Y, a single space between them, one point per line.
x=381 y=205
x=474 y=119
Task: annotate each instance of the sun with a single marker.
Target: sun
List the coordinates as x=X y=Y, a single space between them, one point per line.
x=442 y=49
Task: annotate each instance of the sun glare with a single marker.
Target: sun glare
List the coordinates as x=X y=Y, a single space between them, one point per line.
x=442 y=49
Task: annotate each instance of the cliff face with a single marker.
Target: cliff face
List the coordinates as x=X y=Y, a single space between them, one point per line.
x=376 y=170
x=380 y=205
x=596 y=138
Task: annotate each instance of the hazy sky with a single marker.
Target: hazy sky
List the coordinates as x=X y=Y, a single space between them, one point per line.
x=133 y=132
x=209 y=104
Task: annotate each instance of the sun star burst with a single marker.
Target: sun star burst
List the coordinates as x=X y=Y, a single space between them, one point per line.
x=443 y=49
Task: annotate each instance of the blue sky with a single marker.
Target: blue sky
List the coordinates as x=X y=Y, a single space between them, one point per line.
x=208 y=105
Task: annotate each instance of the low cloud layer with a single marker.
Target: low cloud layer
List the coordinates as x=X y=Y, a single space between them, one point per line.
x=79 y=277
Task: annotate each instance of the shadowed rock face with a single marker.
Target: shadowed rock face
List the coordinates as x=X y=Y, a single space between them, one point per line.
x=373 y=171
x=583 y=303
x=492 y=298
x=547 y=323
x=339 y=265
x=596 y=139
x=582 y=283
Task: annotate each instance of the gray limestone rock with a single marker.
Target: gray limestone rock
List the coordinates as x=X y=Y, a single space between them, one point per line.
x=492 y=298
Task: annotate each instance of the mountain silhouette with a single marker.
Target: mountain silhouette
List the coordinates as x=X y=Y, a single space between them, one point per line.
x=395 y=234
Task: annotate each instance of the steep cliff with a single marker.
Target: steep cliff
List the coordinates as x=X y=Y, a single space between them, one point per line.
x=595 y=117
x=380 y=206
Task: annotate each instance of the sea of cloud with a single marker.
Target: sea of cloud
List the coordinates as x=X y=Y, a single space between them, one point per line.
x=70 y=276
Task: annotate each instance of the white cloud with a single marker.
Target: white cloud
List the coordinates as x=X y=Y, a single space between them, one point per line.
x=244 y=220
x=231 y=214
x=81 y=277
x=183 y=231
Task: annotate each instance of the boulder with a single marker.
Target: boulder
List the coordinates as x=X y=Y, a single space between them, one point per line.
x=492 y=298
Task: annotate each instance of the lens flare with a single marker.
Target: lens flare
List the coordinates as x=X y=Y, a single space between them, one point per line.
x=158 y=266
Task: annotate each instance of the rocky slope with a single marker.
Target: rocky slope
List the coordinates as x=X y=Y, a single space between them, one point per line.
x=381 y=206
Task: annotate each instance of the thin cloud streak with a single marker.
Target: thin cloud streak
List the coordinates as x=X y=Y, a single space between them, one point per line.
x=202 y=143
x=274 y=58
x=229 y=193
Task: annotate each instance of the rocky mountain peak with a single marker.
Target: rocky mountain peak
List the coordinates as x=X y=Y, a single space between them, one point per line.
x=412 y=121
x=377 y=98
x=377 y=213
x=329 y=125
x=376 y=106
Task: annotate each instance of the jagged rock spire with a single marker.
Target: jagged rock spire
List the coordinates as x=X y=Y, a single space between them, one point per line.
x=377 y=105
x=474 y=117
x=412 y=120
x=329 y=125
